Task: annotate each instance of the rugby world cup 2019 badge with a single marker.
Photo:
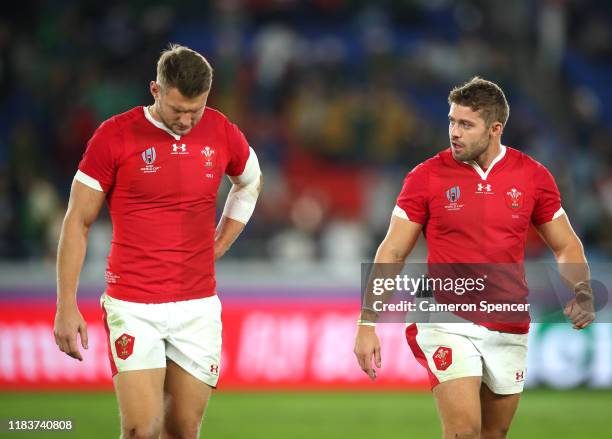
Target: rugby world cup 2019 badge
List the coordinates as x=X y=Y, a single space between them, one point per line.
x=453 y=195
x=124 y=346
x=514 y=198
x=149 y=156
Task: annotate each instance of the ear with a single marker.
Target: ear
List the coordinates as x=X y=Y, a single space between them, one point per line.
x=155 y=89
x=496 y=128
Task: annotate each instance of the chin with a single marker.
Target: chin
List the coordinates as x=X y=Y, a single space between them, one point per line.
x=459 y=156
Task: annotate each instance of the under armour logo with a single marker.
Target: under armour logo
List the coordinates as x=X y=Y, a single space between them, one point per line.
x=484 y=187
x=214 y=369
x=519 y=376
x=176 y=148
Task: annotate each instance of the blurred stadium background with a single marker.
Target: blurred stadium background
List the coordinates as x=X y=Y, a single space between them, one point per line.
x=340 y=99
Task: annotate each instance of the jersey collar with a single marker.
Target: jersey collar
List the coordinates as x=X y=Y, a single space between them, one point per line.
x=158 y=124
x=485 y=174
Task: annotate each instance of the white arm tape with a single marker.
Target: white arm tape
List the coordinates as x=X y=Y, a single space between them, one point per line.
x=88 y=181
x=398 y=211
x=242 y=197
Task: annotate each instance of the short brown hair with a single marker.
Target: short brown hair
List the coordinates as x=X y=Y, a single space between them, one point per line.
x=484 y=96
x=185 y=69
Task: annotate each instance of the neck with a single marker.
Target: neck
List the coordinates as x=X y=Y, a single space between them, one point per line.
x=153 y=113
x=484 y=160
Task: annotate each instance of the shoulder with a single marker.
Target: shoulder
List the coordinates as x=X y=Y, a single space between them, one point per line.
x=525 y=160
x=214 y=116
x=430 y=165
x=442 y=159
x=116 y=123
x=217 y=122
x=534 y=171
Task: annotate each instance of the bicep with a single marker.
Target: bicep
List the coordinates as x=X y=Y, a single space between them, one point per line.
x=399 y=241
x=558 y=234
x=85 y=203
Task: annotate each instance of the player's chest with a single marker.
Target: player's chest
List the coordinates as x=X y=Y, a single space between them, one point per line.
x=180 y=169
x=500 y=203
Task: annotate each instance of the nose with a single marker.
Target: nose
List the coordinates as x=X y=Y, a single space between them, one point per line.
x=454 y=131
x=185 y=120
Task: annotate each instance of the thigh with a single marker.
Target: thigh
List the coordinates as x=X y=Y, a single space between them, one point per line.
x=497 y=412
x=185 y=401
x=140 y=395
x=458 y=403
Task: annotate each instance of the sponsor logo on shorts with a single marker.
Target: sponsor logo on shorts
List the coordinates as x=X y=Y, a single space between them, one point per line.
x=443 y=357
x=214 y=369
x=124 y=346
x=520 y=376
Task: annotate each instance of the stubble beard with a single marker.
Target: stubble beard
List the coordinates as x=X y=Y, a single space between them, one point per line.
x=475 y=150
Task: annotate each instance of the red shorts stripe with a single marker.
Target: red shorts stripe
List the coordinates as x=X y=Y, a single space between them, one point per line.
x=411 y=336
x=108 y=343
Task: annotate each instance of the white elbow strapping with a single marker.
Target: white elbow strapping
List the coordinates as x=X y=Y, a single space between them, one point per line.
x=241 y=202
x=243 y=196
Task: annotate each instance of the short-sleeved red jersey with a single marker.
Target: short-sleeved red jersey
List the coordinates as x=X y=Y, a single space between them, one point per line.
x=161 y=192
x=473 y=216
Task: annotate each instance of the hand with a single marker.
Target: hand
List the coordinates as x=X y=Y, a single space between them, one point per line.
x=220 y=249
x=366 y=346
x=69 y=322
x=580 y=310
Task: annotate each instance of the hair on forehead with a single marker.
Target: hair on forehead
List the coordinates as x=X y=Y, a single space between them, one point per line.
x=184 y=69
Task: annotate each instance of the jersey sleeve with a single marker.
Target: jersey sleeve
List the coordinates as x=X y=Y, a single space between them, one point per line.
x=548 y=200
x=413 y=201
x=99 y=163
x=238 y=150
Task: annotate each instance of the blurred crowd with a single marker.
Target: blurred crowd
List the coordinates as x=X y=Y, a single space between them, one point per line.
x=339 y=98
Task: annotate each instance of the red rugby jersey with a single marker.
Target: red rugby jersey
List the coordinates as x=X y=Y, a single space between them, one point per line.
x=161 y=192
x=471 y=216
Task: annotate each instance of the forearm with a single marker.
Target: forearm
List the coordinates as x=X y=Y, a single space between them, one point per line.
x=239 y=206
x=573 y=266
x=70 y=256
x=227 y=232
x=388 y=263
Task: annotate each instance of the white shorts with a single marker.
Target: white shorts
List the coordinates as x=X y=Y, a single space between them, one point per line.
x=458 y=350
x=143 y=335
